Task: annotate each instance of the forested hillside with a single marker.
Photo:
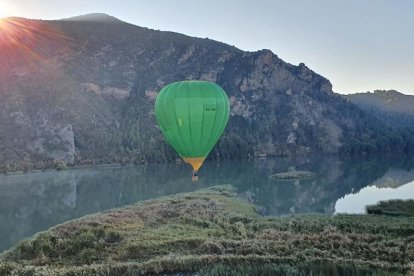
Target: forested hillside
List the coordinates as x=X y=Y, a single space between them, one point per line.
x=82 y=91
x=392 y=107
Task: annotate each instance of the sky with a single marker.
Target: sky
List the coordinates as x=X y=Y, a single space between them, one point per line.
x=359 y=45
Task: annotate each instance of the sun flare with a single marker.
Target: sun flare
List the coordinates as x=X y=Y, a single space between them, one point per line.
x=3 y=13
x=27 y=41
x=5 y=10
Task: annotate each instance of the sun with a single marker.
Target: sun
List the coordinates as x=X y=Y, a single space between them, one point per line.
x=3 y=14
x=6 y=10
x=25 y=41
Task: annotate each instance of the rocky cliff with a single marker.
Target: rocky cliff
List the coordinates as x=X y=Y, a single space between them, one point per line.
x=82 y=90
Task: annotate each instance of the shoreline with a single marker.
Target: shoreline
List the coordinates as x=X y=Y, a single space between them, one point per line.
x=213 y=230
x=254 y=158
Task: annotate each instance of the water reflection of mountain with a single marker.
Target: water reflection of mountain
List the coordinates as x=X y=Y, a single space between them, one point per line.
x=335 y=179
x=394 y=178
x=34 y=202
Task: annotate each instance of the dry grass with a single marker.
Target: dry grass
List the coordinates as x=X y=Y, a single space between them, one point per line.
x=213 y=232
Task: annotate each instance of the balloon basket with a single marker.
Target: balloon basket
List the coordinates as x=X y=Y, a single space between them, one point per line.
x=194 y=177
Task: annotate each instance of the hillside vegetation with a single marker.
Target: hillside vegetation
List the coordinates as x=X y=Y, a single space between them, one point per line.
x=82 y=91
x=392 y=107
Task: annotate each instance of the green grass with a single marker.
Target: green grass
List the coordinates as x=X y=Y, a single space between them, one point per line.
x=214 y=233
x=393 y=208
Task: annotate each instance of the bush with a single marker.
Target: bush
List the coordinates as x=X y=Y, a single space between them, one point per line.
x=60 y=165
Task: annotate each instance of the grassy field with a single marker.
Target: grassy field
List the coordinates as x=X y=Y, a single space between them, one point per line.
x=214 y=233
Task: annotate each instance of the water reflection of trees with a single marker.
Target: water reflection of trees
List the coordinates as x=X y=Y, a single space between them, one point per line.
x=34 y=202
x=335 y=179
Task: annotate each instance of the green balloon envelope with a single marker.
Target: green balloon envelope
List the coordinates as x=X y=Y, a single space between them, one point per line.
x=192 y=115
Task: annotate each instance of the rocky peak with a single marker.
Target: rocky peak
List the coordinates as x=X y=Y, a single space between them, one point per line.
x=388 y=94
x=385 y=100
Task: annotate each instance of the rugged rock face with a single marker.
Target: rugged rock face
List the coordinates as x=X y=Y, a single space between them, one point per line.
x=82 y=90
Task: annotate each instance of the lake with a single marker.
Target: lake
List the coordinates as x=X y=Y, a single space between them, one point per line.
x=34 y=202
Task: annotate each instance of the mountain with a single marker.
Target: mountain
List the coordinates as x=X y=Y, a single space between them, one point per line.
x=93 y=17
x=386 y=100
x=82 y=91
x=393 y=107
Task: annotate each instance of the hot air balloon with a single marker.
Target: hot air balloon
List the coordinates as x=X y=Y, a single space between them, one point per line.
x=192 y=116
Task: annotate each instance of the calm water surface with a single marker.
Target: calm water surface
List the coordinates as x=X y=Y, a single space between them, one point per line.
x=31 y=203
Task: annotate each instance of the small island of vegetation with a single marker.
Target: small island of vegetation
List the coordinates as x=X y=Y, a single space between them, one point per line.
x=293 y=175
